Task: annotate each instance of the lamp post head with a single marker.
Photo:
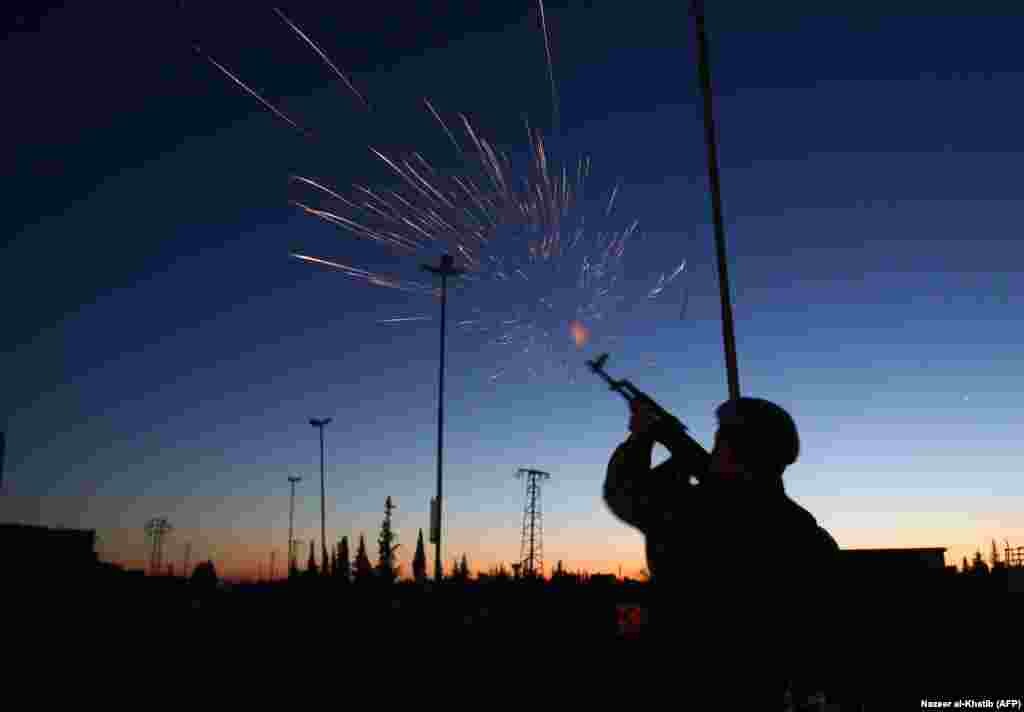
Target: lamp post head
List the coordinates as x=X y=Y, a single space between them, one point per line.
x=447 y=267
x=319 y=422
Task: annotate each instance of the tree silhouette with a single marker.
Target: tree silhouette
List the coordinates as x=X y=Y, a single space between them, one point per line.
x=459 y=571
x=363 y=570
x=311 y=569
x=559 y=575
x=204 y=577
x=386 y=547
x=978 y=566
x=498 y=573
x=419 y=561
x=965 y=568
x=344 y=573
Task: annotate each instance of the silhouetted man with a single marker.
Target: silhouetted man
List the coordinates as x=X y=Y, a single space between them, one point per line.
x=739 y=570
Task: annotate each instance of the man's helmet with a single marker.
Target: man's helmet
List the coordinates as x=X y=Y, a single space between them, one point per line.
x=762 y=434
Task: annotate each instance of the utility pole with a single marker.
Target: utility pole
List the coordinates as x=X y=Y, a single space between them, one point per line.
x=291 y=526
x=710 y=139
x=446 y=269
x=320 y=423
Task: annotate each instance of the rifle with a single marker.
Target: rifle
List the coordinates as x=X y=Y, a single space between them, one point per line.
x=627 y=390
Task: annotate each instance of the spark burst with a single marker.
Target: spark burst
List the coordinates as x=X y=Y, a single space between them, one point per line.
x=524 y=233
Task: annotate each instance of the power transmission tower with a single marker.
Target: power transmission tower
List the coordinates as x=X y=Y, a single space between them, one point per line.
x=531 y=551
x=156 y=529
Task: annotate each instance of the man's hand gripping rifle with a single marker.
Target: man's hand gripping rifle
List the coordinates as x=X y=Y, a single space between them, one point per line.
x=636 y=398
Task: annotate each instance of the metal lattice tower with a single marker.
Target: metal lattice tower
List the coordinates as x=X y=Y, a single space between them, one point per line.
x=531 y=550
x=156 y=529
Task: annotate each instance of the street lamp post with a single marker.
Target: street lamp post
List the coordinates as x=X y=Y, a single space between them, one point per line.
x=319 y=423
x=711 y=141
x=291 y=527
x=447 y=269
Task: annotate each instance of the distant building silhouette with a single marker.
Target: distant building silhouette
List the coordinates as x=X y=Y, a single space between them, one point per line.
x=602 y=580
x=901 y=560
x=893 y=571
x=38 y=550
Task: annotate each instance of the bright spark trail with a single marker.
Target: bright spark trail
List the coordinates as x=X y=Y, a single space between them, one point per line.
x=552 y=284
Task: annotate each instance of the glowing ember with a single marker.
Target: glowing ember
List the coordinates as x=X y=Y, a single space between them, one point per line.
x=580 y=334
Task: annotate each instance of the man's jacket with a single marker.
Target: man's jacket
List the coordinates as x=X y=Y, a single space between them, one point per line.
x=750 y=570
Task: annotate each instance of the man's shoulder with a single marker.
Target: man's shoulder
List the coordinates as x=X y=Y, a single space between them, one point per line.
x=796 y=512
x=804 y=526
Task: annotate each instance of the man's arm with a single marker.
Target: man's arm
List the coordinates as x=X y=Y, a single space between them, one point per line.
x=688 y=457
x=627 y=484
x=640 y=495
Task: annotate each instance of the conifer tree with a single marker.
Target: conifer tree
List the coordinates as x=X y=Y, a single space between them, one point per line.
x=344 y=562
x=386 y=569
x=363 y=569
x=311 y=569
x=419 y=561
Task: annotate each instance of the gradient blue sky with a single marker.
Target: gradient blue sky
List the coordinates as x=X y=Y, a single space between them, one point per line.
x=165 y=352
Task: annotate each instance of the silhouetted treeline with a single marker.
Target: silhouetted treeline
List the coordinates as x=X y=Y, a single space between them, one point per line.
x=878 y=619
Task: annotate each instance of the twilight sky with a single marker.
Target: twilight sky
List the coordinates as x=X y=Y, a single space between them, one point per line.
x=163 y=352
